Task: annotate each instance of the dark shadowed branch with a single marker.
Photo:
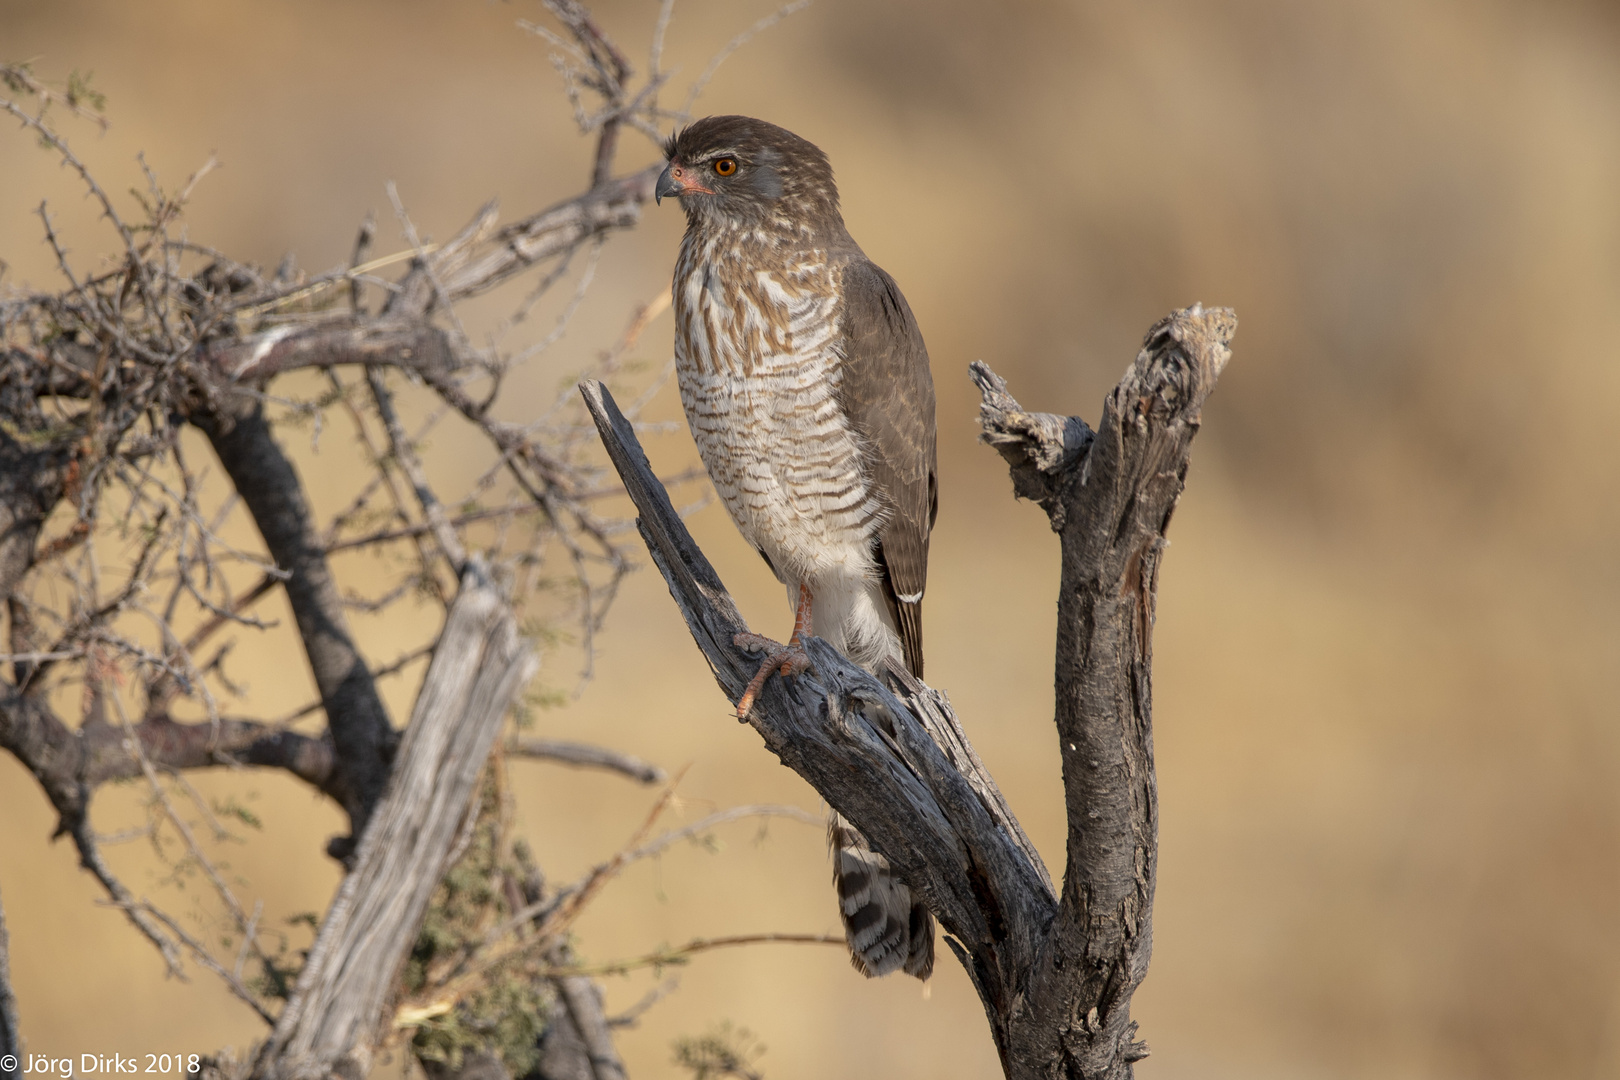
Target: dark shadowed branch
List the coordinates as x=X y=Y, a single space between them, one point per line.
x=69 y=764
x=274 y=494
x=1055 y=971
x=10 y=1035
x=1110 y=499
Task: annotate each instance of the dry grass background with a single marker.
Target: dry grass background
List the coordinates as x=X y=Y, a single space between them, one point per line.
x=1388 y=635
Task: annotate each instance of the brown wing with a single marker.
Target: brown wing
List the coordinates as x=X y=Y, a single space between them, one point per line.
x=888 y=394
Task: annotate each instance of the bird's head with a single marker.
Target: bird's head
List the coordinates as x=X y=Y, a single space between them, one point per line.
x=739 y=171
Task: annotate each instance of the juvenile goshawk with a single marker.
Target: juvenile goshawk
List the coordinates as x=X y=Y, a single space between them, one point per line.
x=806 y=385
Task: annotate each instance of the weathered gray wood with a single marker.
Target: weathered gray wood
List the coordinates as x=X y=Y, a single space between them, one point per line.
x=870 y=756
x=583 y=1001
x=10 y=1035
x=1055 y=975
x=333 y=1017
x=1110 y=502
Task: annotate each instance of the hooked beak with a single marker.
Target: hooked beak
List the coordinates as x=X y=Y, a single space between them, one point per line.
x=676 y=181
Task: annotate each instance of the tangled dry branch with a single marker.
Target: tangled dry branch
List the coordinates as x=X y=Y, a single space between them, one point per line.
x=148 y=502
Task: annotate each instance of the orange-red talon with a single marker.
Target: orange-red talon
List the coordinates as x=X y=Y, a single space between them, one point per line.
x=789 y=659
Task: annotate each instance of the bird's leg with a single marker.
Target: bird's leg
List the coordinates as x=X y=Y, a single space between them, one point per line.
x=789 y=659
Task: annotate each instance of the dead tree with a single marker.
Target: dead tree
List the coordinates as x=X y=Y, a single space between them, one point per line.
x=1054 y=970
x=118 y=583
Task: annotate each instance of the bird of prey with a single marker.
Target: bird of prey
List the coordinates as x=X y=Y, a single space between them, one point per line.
x=806 y=385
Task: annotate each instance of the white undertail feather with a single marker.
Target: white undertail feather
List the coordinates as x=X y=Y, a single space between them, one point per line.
x=850 y=615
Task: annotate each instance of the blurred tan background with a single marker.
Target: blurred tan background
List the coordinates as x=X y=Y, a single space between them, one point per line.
x=1390 y=619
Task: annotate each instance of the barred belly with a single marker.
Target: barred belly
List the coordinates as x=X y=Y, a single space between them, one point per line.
x=758 y=370
x=786 y=470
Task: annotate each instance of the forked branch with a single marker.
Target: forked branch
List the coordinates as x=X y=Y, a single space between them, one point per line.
x=1055 y=975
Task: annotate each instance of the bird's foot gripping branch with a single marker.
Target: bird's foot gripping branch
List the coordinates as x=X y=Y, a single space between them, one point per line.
x=1055 y=971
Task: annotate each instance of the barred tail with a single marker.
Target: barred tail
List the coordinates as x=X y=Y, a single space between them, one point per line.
x=887 y=928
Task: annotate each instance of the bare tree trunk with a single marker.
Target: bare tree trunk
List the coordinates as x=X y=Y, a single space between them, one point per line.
x=1055 y=972
x=31 y=483
x=10 y=1035
x=339 y=1006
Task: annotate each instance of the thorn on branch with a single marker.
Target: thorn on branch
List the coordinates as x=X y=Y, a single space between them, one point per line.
x=450 y=545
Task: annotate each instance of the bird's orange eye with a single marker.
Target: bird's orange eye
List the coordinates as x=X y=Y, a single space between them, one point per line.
x=725 y=166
